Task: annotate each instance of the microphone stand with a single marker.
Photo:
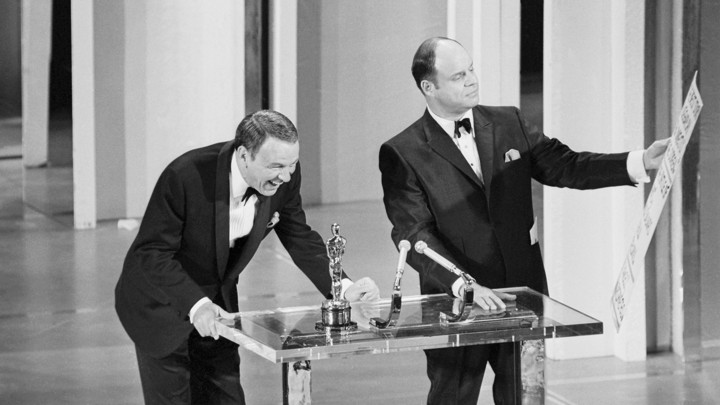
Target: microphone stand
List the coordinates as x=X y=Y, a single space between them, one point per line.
x=467 y=292
x=396 y=298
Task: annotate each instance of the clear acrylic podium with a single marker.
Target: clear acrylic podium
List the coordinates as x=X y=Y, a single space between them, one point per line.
x=289 y=336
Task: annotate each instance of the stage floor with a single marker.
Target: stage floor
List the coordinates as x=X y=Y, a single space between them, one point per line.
x=62 y=343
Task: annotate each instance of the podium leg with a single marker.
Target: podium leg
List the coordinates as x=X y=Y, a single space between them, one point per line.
x=296 y=383
x=532 y=364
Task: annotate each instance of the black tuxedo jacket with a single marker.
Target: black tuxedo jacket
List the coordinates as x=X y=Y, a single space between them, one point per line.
x=181 y=252
x=432 y=194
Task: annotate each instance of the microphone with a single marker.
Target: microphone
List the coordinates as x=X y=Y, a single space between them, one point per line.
x=403 y=246
x=396 y=299
x=422 y=248
x=468 y=294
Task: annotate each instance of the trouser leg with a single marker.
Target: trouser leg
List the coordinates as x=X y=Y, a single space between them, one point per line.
x=165 y=381
x=456 y=374
x=215 y=371
x=200 y=371
x=505 y=362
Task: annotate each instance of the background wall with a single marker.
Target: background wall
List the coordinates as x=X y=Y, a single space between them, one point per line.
x=110 y=117
x=709 y=176
x=355 y=89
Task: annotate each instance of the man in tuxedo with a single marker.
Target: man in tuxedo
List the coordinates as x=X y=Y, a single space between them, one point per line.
x=206 y=217
x=459 y=178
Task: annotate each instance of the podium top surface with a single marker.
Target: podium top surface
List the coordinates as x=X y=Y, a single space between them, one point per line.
x=289 y=334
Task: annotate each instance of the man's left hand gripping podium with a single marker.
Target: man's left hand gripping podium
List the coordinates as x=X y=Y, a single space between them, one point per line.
x=336 y=311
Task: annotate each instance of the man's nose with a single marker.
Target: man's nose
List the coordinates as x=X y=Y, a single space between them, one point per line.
x=285 y=174
x=471 y=79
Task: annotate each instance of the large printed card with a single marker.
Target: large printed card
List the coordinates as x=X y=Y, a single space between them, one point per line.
x=655 y=203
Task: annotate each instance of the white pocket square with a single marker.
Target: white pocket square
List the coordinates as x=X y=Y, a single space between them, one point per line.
x=511 y=155
x=274 y=220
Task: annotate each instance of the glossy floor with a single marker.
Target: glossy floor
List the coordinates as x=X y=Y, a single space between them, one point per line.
x=62 y=343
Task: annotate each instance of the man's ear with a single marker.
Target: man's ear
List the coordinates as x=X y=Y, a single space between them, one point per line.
x=427 y=86
x=243 y=154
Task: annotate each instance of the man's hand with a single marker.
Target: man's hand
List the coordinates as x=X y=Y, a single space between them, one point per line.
x=364 y=290
x=653 y=155
x=205 y=316
x=489 y=299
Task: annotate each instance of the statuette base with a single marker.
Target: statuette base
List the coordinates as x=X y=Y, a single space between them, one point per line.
x=335 y=317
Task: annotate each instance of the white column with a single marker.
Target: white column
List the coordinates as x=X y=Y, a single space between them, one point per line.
x=283 y=57
x=628 y=88
x=184 y=81
x=181 y=82
x=452 y=19
x=490 y=31
x=136 y=191
x=675 y=200
x=593 y=100
x=189 y=78
x=83 y=105
x=35 y=60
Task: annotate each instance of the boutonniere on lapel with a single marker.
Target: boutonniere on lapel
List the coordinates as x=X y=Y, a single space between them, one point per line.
x=511 y=155
x=274 y=220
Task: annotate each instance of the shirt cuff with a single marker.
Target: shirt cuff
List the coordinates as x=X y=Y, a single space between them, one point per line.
x=636 y=167
x=197 y=305
x=346 y=283
x=456 y=287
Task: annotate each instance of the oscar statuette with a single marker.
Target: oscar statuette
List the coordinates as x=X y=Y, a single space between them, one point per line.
x=336 y=311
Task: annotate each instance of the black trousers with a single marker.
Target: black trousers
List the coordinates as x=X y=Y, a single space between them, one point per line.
x=456 y=373
x=201 y=371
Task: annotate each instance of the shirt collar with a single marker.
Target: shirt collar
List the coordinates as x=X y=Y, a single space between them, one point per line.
x=449 y=125
x=238 y=185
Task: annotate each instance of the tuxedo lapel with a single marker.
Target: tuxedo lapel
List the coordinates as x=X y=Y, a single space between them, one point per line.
x=222 y=209
x=443 y=145
x=485 y=141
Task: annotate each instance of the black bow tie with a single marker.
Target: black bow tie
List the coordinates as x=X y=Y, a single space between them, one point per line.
x=465 y=123
x=249 y=193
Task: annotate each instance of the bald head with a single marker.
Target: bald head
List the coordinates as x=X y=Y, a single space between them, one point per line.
x=423 y=65
x=445 y=74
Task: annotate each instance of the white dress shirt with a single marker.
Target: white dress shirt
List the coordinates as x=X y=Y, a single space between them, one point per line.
x=466 y=141
x=242 y=213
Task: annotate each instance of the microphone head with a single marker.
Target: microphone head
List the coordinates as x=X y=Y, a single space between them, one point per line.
x=404 y=244
x=420 y=246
